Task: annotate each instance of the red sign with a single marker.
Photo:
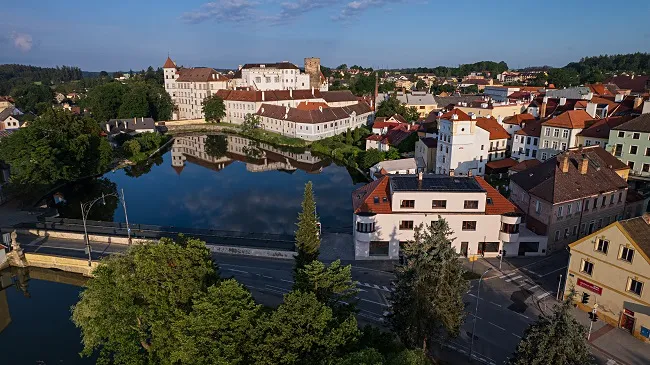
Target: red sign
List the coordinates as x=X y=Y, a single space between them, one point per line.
x=629 y=312
x=587 y=285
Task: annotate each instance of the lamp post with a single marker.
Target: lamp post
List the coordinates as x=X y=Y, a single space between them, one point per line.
x=478 y=298
x=85 y=209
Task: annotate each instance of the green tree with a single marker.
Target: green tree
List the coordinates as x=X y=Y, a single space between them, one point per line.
x=429 y=288
x=251 y=122
x=411 y=113
x=438 y=89
x=303 y=330
x=556 y=339
x=342 y=67
x=30 y=98
x=307 y=236
x=421 y=85
x=126 y=310
x=135 y=103
x=103 y=74
x=56 y=147
x=332 y=285
x=393 y=154
x=216 y=145
x=388 y=107
x=370 y=158
x=367 y=356
x=218 y=328
x=409 y=357
x=472 y=89
x=214 y=108
x=386 y=87
x=563 y=77
x=348 y=137
x=131 y=148
x=105 y=100
x=408 y=144
x=363 y=85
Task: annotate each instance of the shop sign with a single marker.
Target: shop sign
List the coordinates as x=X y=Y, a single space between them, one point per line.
x=589 y=286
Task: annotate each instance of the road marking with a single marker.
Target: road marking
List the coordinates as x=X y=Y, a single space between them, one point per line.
x=549 y=273
x=497 y=326
x=375 y=286
x=515 y=278
x=508 y=274
x=542 y=296
x=268 y=277
x=286 y=281
x=240 y=271
x=372 y=301
x=385 y=288
x=472 y=314
x=283 y=290
x=516 y=335
x=498 y=305
x=533 y=287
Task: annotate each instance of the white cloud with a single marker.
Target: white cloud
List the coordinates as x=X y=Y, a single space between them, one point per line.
x=357 y=7
x=22 y=41
x=224 y=10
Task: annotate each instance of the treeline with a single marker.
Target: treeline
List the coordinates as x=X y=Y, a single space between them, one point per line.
x=130 y=100
x=463 y=70
x=15 y=75
x=638 y=63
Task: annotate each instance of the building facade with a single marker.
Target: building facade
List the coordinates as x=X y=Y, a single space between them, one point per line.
x=630 y=143
x=463 y=148
x=525 y=142
x=610 y=271
x=561 y=133
x=387 y=211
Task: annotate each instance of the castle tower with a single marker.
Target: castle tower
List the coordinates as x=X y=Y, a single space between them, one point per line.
x=312 y=68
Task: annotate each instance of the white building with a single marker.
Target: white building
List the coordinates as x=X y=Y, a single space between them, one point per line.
x=463 y=148
x=387 y=210
x=188 y=88
x=525 y=143
x=280 y=76
x=402 y=166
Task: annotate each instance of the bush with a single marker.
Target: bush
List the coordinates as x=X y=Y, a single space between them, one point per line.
x=131 y=147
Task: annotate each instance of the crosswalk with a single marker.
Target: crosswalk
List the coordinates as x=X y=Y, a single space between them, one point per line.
x=375 y=286
x=526 y=283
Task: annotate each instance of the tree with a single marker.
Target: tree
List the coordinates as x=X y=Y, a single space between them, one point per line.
x=56 y=147
x=303 y=330
x=472 y=89
x=429 y=288
x=393 y=153
x=218 y=328
x=251 y=122
x=421 y=85
x=563 y=77
x=367 y=356
x=105 y=100
x=214 y=108
x=332 y=285
x=342 y=67
x=556 y=339
x=131 y=147
x=438 y=89
x=307 y=236
x=103 y=74
x=370 y=158
x=30 y=98
x=411 y=113
x=135 y=103
x=386 y=87
x=388 y=107
x=126 y=310
x=216 y=145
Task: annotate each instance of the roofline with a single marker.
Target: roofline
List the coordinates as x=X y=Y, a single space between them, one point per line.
x=625 y=233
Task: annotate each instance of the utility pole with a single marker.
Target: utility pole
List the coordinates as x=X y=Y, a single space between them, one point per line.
x=478 y=299
x=594 y=317
x=126 y=217
x=85 y=209
x=559 y=285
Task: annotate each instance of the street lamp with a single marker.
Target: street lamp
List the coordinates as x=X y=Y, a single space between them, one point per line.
x=85 y=209
x=478 y=298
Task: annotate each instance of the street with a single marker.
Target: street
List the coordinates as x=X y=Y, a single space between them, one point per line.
x=510 y=300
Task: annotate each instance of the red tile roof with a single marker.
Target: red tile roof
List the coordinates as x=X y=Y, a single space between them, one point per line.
x=384 y=124
x=270 y=95
x=636 y=83
x=500 y=205
x=493 y=127
x=169 y=63
x=599 y=89
x=461 y=115
x=200 y=74
x=524 y=165
x=306 y=105
x=517 y=119
x=363 y=199
x=600 y=127
x=532 y=128
x=572 y=119
x=312 y=116
x=501 y=164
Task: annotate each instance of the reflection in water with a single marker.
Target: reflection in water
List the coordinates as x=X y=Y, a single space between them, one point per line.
x=87 y=191
x=218 y=151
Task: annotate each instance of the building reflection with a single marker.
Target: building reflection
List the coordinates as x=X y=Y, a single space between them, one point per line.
x=216 y=152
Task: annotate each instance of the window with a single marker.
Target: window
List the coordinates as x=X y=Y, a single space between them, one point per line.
x=634 y=286
x=636 y=135
x=568 y=209
x=406 y=225
x=565 y=133
x=544 y=154
x=557 y=236
x=538 y=207
x=407 y=204
x=547 y=132
x=618 y=150
x=611 y=199
x=365 y=227
x=534 y=141
x=603 y=201
x=587 y=143
x=633 y=150
x=563 y=146
x=545 y=144
x=630 y=164
x=471 y=204
x=441 y=204
x=469 y=225
x=534 y=153
x=378 y=248
x=647 y=151
x=509 y=228
x=602 y=245
x=556 y=132
x=586 y=205
x=578 y=206
x=566 y=232
x=626 y=254
x=645 y=167
x=559 y=211
x=527 y=140
x=555 y=145
x=376 y=200
x=621 y=134
x=586 y=267
x=575 y=231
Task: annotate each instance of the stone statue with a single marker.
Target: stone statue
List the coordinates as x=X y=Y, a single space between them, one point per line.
x=14 y=243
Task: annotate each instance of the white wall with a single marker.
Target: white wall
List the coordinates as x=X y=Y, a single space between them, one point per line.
x=467 y=149
x=274 y=79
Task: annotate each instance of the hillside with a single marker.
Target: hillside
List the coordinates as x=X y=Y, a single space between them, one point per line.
x=12 y=75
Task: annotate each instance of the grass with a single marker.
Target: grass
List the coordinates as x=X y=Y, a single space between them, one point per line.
x=273 y=138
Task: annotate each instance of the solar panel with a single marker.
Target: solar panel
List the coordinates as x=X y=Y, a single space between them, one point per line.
x=434 y=182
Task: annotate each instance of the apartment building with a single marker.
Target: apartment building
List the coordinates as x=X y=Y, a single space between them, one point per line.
x=463 y=147
x=188 y=88
x=597 y=131
x=571 y=195
x=498 y=138
x=422 y=101
x=487 y=108
x=525 y=142
x=610 y=270
x=516 y=122
x=314 y=124
x=387 y=211
x=561 y=132
x=630 y=143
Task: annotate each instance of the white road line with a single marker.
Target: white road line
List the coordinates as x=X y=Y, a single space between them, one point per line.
x=235 y=270
x=533 y=287
x=542 y=296
x=515 y=278
x=268 y=277
x=497 y=326
x=283 y=290
x=385 y=288
x=498 y=305
x=372 y=301
x=516 y=335
x=472 y=314
x=286 y=281
x=549 y=273
x=508 y=274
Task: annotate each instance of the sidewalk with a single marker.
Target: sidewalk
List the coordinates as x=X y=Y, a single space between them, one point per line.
x=614 y=343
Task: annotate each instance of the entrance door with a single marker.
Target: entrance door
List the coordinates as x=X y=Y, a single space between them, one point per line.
x=591 y=228
x=464 y=248
x=627 y=322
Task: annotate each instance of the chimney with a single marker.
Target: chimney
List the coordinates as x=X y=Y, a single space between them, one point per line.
x=454 y=116
x=565 y=164
x=619 y=98
x=646 y=218
x=135 y=121
x=591 y=109
x=637 y=102
x=584 y=165
x=646 y=107
x=262 y=110
x=542 y=110
x=562 y=101
x=320 y=108
x=473 y=116
x=291 y=93
x=420 y=175
x=312 y=93
x=262 y=95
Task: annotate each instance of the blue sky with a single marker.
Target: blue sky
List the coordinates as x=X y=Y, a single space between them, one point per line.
x=120 y=34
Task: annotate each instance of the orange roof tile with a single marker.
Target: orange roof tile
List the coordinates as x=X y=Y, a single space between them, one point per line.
x=306 y=105
x=373 y=198
x=501 y=164
x=493 y=127
x=169 y=63
x=524 y=165
x=572 y=119
x=461 y=115
x=500 y=205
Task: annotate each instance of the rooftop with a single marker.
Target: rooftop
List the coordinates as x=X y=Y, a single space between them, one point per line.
x=600 y=127
x=493 y=127
x=639 y=230
x=319 y=115
x=395 y=165
x=338 y=96
x=638 y=124
x=434 y=182
x=572 y=119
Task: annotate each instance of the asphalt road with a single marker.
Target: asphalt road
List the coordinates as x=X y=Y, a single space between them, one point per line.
x=509 y=301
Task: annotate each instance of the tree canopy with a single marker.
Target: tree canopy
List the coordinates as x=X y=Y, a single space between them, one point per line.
x=307 y=235
x=33 y=98
x=57 y=146
x=130 y=100
x=392 y=106
x=14 y=75
x=214 y=108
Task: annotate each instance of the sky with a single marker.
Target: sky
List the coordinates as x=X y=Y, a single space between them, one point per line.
x=133 y=34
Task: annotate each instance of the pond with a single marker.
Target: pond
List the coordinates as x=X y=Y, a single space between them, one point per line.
x=222 y=182
x=35 y=325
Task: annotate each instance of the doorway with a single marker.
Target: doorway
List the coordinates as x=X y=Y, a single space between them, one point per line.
x=627 y=323
x=464 y=248
x=591 y=228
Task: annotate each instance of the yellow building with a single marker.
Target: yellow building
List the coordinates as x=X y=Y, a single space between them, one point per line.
x=484 y=109
x=611 y=269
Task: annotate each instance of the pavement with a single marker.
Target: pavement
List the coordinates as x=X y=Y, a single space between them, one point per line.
x=510 y=298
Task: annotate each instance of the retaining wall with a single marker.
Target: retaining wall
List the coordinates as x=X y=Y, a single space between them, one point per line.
x=67 y=264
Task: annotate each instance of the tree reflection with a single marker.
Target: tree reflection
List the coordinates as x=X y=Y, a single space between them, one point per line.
x=85 y=191
x=216 y=145
x=253 y=151
x=144 y=167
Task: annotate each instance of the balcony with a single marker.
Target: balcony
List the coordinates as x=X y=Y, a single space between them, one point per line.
x=509 y=231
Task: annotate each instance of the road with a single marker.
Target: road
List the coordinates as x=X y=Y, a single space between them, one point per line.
x=509 y=301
